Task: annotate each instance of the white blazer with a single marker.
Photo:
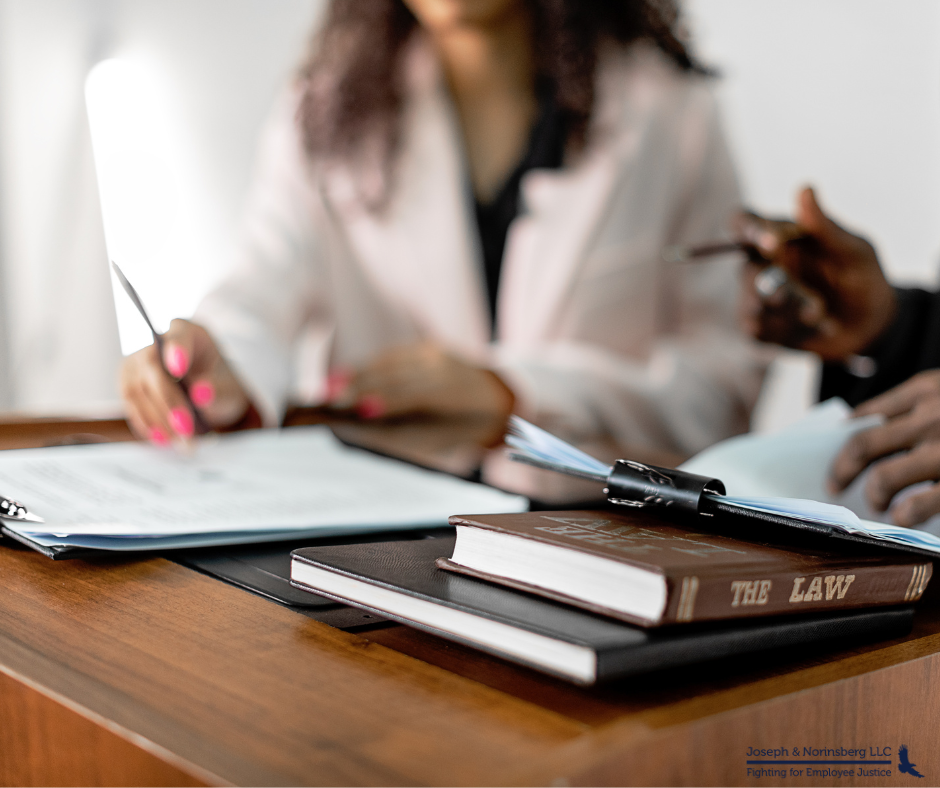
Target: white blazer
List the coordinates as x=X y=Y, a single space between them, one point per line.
x=598 y=336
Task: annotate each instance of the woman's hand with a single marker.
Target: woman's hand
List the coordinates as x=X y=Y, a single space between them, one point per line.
x=837 y=301
x=912 y=432
x=422 y=378
x=156 y=406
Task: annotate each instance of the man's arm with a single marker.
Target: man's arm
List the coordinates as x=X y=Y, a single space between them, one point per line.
x=911 y=344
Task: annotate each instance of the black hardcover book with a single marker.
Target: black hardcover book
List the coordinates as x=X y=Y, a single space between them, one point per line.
x=399 y=580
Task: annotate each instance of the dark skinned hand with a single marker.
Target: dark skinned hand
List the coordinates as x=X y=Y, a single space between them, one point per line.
x=837 y=301
x=912 y=434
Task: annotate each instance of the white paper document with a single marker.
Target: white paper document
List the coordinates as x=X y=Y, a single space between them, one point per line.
x=791 y=463
x=244 y=487
x=782 y=473
x=785 y=472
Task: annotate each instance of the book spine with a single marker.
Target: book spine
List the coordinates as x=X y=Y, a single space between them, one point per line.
x=703 y=598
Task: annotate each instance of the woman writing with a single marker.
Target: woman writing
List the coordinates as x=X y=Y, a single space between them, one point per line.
x=461 y=209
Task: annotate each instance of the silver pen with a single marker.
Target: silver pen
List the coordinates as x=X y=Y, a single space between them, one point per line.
x=199 y=422
x=13 y=510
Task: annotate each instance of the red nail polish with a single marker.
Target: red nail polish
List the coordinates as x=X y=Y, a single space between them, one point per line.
x=371 y=406
x=158 y=437
x=181 y=422
x=337 y=382
x=202 y=393
x=177 y=361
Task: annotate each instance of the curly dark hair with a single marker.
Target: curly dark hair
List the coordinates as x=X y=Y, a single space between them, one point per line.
x=353 y=82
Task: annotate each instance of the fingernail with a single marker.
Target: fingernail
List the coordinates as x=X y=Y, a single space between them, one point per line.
x=176 y=360
x=181 y=422
x=371 y=406
x=767 y=241
x=202 y=393
x=336 y=383
x=158 y=437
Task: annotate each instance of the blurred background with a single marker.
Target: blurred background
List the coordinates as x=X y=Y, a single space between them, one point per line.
x=843 y=94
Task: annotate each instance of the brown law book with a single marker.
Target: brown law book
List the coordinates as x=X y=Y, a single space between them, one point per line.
x=637 y=568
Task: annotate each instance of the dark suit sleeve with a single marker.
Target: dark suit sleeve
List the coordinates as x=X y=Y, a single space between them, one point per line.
x=910 y=345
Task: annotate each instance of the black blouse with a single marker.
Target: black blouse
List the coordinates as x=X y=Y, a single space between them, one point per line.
x=546 y=150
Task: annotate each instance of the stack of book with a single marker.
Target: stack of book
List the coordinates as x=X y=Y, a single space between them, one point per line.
x=596 y=595
x=602 y=594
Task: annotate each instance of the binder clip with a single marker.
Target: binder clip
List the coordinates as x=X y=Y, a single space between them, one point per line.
x=651 y=487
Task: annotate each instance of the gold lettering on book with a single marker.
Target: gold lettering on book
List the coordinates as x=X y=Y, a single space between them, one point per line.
x=691 y=545
x=703 y=550
x=568 y=530
x=919 y=578
x=764 y=594
x=686 y=608
x=600 y=539
x=624 y=545
x=814 y=592
x=796 y=595
x=837 y=586
x=750 y=592
x=631 y=539
x=592 y=523
x=621 y=530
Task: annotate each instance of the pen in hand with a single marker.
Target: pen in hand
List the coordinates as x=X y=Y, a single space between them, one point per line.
x=689 y=254
x=798 y=311
x=770 y=283
x=201 y=427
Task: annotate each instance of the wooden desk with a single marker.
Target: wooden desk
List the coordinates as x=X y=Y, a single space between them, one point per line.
x=143 y=672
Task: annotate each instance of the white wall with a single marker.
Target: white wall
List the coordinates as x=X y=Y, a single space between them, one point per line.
x=62 y=347
x=223 y=61
x=843 y=94
x=221 y=64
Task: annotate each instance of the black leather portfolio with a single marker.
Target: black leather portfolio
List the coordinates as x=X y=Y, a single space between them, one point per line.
x=399 y=580
x=264 y=569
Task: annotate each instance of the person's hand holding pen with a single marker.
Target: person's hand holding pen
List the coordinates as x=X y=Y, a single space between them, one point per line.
x=834 y=299
x=157 y=409
x=848 y=305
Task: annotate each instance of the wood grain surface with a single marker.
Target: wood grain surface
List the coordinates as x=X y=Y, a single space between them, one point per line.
x=46 y=741
x=250 y=692
x=223 y=686
x=141 y=671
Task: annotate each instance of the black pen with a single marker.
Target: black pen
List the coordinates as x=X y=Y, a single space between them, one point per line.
x=200 y=424
x=768 y=282
x=688 y=254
